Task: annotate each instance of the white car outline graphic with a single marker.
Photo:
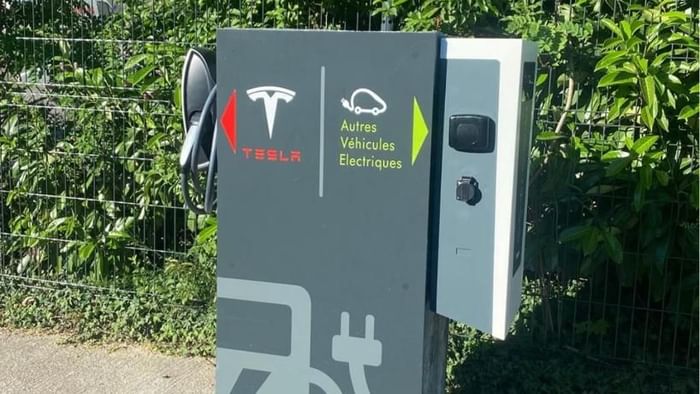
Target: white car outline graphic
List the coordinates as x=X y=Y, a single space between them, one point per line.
x=350 y=104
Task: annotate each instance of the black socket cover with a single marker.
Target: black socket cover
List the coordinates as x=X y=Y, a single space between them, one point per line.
x=472 y=133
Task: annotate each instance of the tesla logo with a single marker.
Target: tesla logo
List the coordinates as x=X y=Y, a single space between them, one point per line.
x=270 y=95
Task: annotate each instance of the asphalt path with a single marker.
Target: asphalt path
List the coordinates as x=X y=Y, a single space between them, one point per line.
x=39 y=363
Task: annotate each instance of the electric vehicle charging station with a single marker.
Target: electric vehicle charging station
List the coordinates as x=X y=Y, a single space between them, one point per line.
x=370 y=186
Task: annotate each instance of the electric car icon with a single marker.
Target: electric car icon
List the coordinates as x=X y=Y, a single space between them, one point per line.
x=351 y=105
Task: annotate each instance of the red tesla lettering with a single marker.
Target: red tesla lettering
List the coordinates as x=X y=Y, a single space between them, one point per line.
x=271 y=155
x=259 y=154
x=246 y=152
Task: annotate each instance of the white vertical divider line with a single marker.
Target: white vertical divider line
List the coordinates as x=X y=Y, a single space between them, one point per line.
x=322 y=132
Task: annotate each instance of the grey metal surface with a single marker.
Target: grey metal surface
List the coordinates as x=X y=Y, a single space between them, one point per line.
x=465 y=248
x=344 y=247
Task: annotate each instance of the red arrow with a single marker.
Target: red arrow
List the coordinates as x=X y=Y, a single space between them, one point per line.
x=228 y=120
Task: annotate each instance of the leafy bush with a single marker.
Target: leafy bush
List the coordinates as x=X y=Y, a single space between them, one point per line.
x=172 y=310
x=616 y=176
x=520 y=366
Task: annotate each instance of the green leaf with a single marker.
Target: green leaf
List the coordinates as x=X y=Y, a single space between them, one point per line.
x=643 y=144
x=86 y=250
x=618 y=108
x=590 y=241
x=636 y=25
x=574 y=233
x=632 y=42
x=682 y=37
x=136 y=59
x=147 y=82
x=659 y=59
x=206 y=233
x=663 y=120
x=57 y=223
x=662 y=177
x=612 y=26
x=118 y=235
x=617 y=78
x=671 y=98
x=613 y=247
x=641 y=64
x=139 y=76
x=613 y=155
x=674 y=79
x=673 y=16
x=648 y=117
x=613 y=43
x=549 y=136
x=10 y=125
x=628 y=67
x=96 y=76
x=616 y=166
x=695 y=88
x=688 y=112
x=610 y=59
x=177 y=96
x=626 y=29
x=649 y=91
x=99 y=266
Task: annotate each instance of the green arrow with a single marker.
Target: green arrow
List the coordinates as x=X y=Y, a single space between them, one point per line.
x=420 y=131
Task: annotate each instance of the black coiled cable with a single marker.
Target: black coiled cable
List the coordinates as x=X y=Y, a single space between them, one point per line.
x=190 y=168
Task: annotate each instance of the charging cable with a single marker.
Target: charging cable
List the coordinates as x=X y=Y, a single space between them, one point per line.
x=190 y=166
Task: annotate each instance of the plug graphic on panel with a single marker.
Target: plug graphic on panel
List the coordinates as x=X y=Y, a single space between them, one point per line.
x=292 y=373
x=357 y=351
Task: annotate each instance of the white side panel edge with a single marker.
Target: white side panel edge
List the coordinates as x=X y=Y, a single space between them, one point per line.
x=509 y=53
x=530 y=51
